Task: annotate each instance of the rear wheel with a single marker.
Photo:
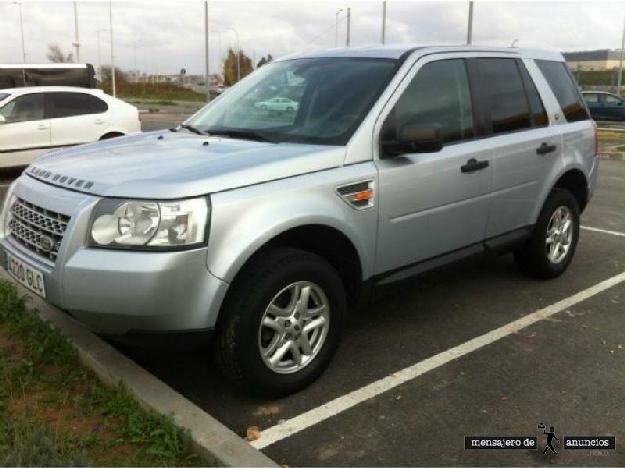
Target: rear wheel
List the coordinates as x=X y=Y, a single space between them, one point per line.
x=550 y=250
x=282 y=322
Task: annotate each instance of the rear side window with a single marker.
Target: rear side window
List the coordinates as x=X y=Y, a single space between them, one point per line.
x=72 y=104
x=438 y=97
x=504 y=94
x=564 y=88
x=537 y=109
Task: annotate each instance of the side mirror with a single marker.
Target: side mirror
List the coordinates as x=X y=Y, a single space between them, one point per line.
x=413 y=139
x=2 y=119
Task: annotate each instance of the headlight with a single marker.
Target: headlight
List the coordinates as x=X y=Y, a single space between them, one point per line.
x=144 y=224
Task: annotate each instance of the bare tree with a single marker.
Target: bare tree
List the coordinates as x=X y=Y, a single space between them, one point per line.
x=56 y=55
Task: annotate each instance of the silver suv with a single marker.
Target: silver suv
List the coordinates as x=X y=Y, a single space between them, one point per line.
x=265 y=224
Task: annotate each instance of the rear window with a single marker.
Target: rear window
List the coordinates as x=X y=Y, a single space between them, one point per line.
x=564 y=88
x=3 y=96
x=71 y=104
x=505 y=94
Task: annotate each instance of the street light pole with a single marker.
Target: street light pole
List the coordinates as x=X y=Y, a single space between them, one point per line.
x=620 y=66
x=112 y=54
x=384 y=22
x=336 y=22
x=349 y=21
x=19 y=4
x=206 y=53
x=470 y=25
x=77 y=42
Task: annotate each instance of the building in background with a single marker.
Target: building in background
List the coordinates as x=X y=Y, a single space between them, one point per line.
x=593 y=60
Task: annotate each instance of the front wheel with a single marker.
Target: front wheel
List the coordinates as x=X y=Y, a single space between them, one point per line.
x=550 y=250
x=282 y=322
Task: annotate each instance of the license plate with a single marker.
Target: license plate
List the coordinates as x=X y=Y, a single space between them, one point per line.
x=26 y=275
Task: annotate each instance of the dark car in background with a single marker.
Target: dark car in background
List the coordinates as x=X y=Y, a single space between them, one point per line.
x=605 y=106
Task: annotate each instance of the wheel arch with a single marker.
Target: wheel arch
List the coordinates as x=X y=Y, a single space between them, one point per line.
x=576 y=182
x=323 y=239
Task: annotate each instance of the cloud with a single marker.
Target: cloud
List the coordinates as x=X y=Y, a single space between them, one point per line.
x=164 y=36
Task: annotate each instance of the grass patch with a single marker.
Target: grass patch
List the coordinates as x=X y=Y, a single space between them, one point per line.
x=161 y=91
x=54 y=412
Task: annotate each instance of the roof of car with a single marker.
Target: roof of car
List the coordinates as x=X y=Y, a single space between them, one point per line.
x=396 y=51
x=48 y=89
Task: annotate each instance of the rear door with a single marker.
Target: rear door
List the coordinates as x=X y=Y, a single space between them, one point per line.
x=428 y=204
x=25 y=134
x=76 y=117
x=613 y=108
x=526 y=148
x=594 y=102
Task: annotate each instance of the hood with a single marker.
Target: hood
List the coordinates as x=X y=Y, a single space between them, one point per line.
x=169 y=165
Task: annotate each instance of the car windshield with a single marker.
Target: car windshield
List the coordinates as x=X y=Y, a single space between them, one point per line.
x=312 y=100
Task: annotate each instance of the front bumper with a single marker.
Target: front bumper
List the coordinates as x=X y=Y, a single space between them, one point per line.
x=118 y=292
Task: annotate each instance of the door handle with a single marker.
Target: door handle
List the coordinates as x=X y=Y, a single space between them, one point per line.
x=99 y=121
x=544 y=148
x=42 y=127
x=474 y=165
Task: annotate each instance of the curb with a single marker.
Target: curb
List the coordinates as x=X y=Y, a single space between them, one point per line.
x=211 y=439
x=613 y=156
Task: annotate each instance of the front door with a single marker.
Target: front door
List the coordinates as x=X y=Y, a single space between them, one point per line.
x=433 y=203
x=25 y=134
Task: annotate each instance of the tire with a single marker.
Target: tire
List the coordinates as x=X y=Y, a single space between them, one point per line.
x=273 y=277
x=538 y=258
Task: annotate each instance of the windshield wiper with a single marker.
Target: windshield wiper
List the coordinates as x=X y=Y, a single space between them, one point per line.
x=191 y=128
x=240 y=133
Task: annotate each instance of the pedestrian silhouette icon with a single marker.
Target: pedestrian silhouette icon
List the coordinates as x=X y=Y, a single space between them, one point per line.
x=551 y=435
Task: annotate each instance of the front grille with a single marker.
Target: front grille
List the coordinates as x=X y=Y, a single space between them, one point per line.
x=39 y=230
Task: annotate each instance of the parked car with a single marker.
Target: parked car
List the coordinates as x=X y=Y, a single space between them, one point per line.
x=264 y=234
x=605 y=106
x=280 y=104
x=34 y=120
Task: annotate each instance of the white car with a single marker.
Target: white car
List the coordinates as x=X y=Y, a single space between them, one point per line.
x=278 y=104
x=34 y=120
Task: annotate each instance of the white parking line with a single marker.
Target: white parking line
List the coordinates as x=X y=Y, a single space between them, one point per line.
x=338 y=405
x=594 y=229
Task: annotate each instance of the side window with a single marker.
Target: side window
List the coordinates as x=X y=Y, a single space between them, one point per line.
x=504 y=93
x=72 y=104
x=564 y=88
x=539 y=115
x=438 y=97
x=24 y=108
x=613 y=100
x=591 y=98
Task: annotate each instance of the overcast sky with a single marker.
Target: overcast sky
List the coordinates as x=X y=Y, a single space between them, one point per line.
x=169 y=35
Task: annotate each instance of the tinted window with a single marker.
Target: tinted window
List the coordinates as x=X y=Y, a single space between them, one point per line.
x=504 y=94
x=70 y=104
x=591 y=98
x=613 y=100
x=437 y=97
x=23 y=108
x=539 y=115
x=4 y=96
x=564 y=89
